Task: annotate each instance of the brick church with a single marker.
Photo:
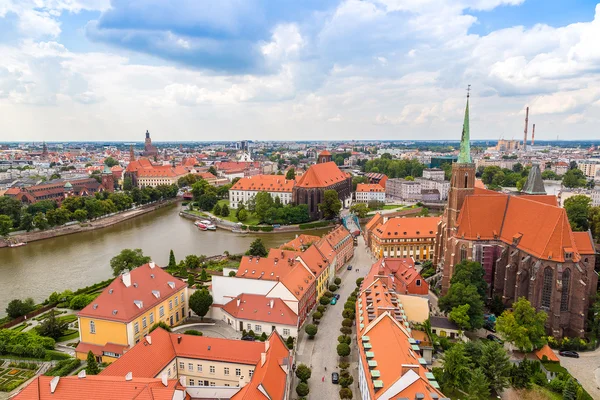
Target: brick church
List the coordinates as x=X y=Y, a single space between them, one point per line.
x=524 y=243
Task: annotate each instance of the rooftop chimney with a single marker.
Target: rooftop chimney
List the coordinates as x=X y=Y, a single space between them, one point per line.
x=149 y=339
x=263 y=358
x=54 y=384
x=126 y=278
x=238 y=302
x=164 y=379
x=182 y=381
x=178 y=339
x=129 y=376
x=151 y=264
x=271 y=302
x=81 y=374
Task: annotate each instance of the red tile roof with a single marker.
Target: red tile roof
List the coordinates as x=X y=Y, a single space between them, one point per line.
x=337 y=235
x=322 y=175
x=99 y=388
x=393 y=228
x=301 y=241
x=258 y=307
x=584 y=243
x=146 y=284
x=299 y=280
x=268 y=269
x=98 y=350
x=264 y=183
x=369 y=187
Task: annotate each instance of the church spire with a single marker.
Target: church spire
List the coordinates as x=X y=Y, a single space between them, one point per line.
x=464 y=157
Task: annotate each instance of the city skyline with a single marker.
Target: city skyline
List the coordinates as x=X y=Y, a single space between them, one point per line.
x=332 y=70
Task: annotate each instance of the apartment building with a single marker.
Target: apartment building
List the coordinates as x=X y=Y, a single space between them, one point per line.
x=366 y=192
x=247 y=188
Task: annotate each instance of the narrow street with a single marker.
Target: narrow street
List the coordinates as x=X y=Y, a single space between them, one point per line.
x=321 y=352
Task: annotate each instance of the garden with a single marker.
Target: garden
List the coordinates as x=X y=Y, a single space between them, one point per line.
x=12 y=374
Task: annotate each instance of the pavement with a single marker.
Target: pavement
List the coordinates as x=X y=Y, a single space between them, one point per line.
x=321 y=352
x=217 y=329
x=586 y=369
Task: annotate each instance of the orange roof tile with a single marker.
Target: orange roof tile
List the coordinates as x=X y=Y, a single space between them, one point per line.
x=299 y=280
x=301 y=241
x=314 y=260
x=268 y=269
x=322 y=175
x=149 y=286
x=425 y=227
x=546 y=351
x=369 y=187
x=258 y=307
x=264 y=183
x=337 y=235
x=584 y=243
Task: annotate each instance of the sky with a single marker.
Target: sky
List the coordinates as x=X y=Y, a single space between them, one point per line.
x=196 y=70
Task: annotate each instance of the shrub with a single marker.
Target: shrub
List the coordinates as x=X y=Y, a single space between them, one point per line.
x=346 y=381
x=345 y=393
x=302 y=389
x=290 y=342
x=311 y=330
x=321 y=309
x=254 y=228
x=556 y=385
x=344 y=339
x=303 y=373
x=266 y=228
x=348 y=313
x=343 y=350
x=344 y=365
x=333 y=288
x=63 y=368
x=359 y=281
x=317 y=315
x=263 y=337
x=345 y=330
x=324 y=300
x=349 y=305
x=328 y=294
x=193 y=332
x=347 y=322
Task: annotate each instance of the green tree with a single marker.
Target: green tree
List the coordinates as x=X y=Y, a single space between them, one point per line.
x=242 y=215
x=497 y=306
x=17 y=308
x=80 y=215
x=346 y=381
x=303 y=372
x=192 y=261
x=460 y=294
x=495 y=364
x=6 y=224
x=203 y=276
x=570 y=390
x=200 y=302
x=257 y=248
x=331 y=205
x=358 y=179
x=456 y=367
x=311 y=330
x=479 y=388
x=460 y=316
x=160 y=324
x=127 y=184
x=360 y=209
x=302 y=389
x=110 y=162
x=191 y=280
x=290 y=175
x=52 y=327
x=40 y=221
x=12 y=208
x=26 y=222
x=212 y=170
x=343 y=350
x=80 y=301
x=172 y=262
x=578 y=211
x=262 y=203
x=470 y=273
x=574 y=178
x=523 y=326
x=217 y=209
x=92 y=367
x=345 y=393
x=128 y=259
x=225 y=210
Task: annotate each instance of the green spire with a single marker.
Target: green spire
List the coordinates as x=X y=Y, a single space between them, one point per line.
x=464 y=157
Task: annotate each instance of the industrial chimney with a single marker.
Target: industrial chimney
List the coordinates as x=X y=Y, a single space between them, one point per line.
x=533 y=135
x=526 y=124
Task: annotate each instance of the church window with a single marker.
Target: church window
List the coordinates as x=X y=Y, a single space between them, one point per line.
x=547 y=288
x=466 y=180
x=463 y=252
x=564 y=297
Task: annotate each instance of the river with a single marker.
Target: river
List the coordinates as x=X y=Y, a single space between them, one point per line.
x=79 y=260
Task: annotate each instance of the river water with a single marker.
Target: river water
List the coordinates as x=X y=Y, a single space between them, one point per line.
x=78 y=260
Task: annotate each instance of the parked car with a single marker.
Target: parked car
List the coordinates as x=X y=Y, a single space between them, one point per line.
x=349 y=267
x=494 y=338
x=567 y=353
x=335 y=377
x=490 y=326
x=333 y=301
x=336 y=296
x=249 y=338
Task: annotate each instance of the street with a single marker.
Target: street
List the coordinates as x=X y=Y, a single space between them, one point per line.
x=586 y=369
x=321 y=352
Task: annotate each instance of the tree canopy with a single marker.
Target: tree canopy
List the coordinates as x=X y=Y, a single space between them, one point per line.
x=331 y=205
x=128 y=259
x=257 y=248
x=523 y=326
x=578 y=211
x=200 y=302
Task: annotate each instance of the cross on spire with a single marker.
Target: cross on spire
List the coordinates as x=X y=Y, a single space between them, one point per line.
x=468 y=90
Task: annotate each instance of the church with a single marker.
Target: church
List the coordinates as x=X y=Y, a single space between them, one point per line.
x=523 y=241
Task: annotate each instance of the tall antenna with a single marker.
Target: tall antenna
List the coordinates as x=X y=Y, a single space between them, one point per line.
x=526 y=123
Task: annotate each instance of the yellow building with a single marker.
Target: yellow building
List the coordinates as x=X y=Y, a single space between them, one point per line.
x=126 y=310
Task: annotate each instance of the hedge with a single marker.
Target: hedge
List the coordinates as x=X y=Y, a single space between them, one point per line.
x=319 y=224
x=254 y=228
x=266 y=228
x=63 y=368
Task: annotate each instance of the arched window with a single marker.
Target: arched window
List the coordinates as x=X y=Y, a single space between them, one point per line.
x=547 y=288
x=466 y=180
x=463 y=252
x=566 y=287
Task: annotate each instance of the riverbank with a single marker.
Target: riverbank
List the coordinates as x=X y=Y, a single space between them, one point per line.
x=258 y=229
x=87 y=226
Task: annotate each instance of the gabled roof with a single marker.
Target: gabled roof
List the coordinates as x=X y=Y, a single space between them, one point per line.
x=264 y=183
x=369 y=187
x=265 y=268
x=321 y=175
x=300 y=242
x=393 y=228
x=337 y=235
x=299 y=280
x=584 y=243
x=100 y=388
x=258 y=307
x=314 y=260
x=149 y=287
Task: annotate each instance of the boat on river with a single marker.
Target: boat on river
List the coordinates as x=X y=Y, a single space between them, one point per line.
x=19 y=244
x=205 y=225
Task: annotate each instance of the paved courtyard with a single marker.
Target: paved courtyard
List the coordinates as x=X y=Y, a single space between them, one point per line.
x=321 y=352
x=586 y=369
x=217 y=329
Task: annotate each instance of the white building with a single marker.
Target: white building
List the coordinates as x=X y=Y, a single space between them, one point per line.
x=589 y=168
x=246 y=188
x=436 y=174
x=366 y=192
x=441 y=186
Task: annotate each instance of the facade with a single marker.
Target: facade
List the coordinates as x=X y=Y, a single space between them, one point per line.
x=342 y=242
x=403 y=237
x=442 y=186
x=126 y=310
x=143 y=173
x=108 y=180
x=405 y=278
x=443 y=327
x=366 y=192
x=375 y=177
x=311 y=186
x=247 y=188
x=435 y=174
x=401 y=189
x=56 y=190
x=589 y=168
x=524 y=243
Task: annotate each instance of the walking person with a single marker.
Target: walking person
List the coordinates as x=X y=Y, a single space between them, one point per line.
x=323 y=380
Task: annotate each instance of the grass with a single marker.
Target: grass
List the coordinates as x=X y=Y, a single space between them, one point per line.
x=555 y=367
x=50 y=355
x=69 y=335
x=67 y=318
x=46 y=315
x=19 y=328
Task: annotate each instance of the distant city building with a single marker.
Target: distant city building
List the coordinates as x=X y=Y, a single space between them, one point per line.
x=507 y=145
x=56 y=190
x=437 y=161
x=143 y=173
x=149 y=149
x=590 y=168
x=366 y=192
x=434 y=174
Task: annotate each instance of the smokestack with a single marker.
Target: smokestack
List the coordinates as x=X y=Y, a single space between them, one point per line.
x=526 y=124
x=533 y=135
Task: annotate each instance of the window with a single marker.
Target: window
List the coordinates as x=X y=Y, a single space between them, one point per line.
x=144 y=323
x=151 y=318
x=176 y=301
x=226 y=370
x=211 y=369
x=463 y=252
x=161 y=311
x=249 y=327
x=199 y=367
x=238 y=372
x=227 y=384
x=92 y=327
x=286 y=332
x=547 y=288
x=169 y=371
x=192 y=382
x=190 y=367
x=257 y=328
x=181 y=298
x=250 y=373
x=181 y=365
x=136 y=327
x=212 y=384
x=418 y=282
x=564 y=296
x=170 y=305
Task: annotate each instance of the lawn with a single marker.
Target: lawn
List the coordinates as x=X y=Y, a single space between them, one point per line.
x=69 y=334
x=252 y=219
x=555 y=367
x=20 y=328
x=67 y=318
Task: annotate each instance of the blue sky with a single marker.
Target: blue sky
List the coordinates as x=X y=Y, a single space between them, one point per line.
x=288 y=69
